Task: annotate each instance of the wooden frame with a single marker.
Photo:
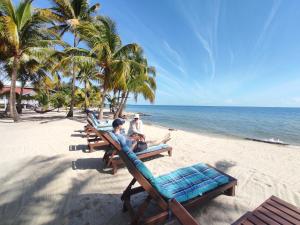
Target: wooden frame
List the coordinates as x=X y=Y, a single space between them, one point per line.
x=178 y=209
x=272 y=211
x=113 y=161
x=94 y=139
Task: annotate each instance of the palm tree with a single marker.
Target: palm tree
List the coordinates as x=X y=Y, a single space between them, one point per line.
x=22 y=34
x=87 y=75
x=30 y=70
x=140 y=81
x=107 y=51
x=68 y=14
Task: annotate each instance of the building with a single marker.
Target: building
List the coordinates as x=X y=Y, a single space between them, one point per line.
x=27 y=91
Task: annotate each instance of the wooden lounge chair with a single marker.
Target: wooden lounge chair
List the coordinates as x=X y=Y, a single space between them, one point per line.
x=173 y=192
x=95 y=139
x=112 y=158
x=273 y=211
x=93 y=122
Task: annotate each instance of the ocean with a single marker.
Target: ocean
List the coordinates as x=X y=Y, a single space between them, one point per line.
x=261 y=123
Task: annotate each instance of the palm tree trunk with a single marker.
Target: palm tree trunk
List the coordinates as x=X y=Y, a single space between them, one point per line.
x=70 y=113
x=85 y=96
x=124 y=104
x=102 y=104
x=12 y=97
x=117 y=114
x=19 y=101
x=118 y=100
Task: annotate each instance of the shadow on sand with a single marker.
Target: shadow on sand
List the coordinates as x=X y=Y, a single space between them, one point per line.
x=224 y=165
x=29 y=196
x=37 y=192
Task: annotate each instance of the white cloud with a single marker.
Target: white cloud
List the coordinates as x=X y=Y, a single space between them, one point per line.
x=268 y=22
x=174 y=58
x=210 y=53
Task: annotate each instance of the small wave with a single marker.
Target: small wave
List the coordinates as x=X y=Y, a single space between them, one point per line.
x=270 y=141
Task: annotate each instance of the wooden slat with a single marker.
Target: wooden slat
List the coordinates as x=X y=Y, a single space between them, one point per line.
x=273 y=211
x=255 y=220
x=286 y=207
x=286 y=204
x=247 y=222
x=289 y=213
x=265 y=219
x=288 y=219
x=276 y=215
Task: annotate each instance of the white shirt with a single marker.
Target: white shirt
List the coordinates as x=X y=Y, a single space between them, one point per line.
x=136 y=126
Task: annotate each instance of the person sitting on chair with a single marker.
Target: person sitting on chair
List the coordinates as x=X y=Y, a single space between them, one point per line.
x=136 y=128
x=134 y=141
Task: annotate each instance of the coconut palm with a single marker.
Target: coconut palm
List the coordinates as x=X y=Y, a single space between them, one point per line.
x=22 y=35
x=68 y=14
x=107 y=51
x=138 y=82
x=86 y=76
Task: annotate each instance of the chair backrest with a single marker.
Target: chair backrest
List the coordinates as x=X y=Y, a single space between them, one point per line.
x=93 y=119
x=136 y=167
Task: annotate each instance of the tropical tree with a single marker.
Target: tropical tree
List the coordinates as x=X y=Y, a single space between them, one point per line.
x=107 y=51
x=58 y=100
x=86 y=76
x=68 y=14
x=30 y=70
x=140 y=81
x=112 y=100
x=23 y=34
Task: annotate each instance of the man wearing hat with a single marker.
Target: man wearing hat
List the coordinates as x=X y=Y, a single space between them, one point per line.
x=136 y=127
x=134 y=141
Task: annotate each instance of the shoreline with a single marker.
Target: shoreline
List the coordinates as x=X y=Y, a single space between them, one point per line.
x=218 y=135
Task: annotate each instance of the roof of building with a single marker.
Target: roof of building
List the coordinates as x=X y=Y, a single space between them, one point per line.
x=26 y=90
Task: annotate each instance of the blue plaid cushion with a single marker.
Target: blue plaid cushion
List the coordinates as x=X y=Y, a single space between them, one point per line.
x=138 y=163
x=113 y=136
x=153 y=148
x=104 y=128
x=189 y=182
x=131 y=155
x=98 y=124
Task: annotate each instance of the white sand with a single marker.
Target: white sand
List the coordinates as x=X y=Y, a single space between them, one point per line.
x=44 y=182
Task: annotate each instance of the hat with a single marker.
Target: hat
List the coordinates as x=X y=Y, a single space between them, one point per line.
x=117 y=122
x=136 y=116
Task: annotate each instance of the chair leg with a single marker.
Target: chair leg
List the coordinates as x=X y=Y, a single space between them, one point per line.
x=141 y=210
x=230 y=192
x=170 y=152
x=114 y=167
x=91 y=147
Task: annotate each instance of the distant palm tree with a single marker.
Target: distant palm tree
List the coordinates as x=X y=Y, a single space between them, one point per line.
x=30 y=70
x=68 y=14
x=107 y=51
x=22 y=35
x=87 y=75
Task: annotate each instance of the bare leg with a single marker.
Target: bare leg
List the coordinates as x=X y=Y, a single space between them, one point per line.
x=158 y=142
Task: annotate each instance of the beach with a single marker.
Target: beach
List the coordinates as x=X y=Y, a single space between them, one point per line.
x=48 y=177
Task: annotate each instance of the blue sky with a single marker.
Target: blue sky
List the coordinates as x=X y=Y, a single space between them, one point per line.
x=210 y=52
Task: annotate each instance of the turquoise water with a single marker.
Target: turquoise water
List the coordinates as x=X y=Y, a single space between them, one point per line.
x=263 y=123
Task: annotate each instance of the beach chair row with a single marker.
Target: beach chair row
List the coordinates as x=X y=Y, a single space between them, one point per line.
x=174 y=193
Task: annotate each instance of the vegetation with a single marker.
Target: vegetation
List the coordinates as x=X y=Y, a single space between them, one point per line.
x=95 y=67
